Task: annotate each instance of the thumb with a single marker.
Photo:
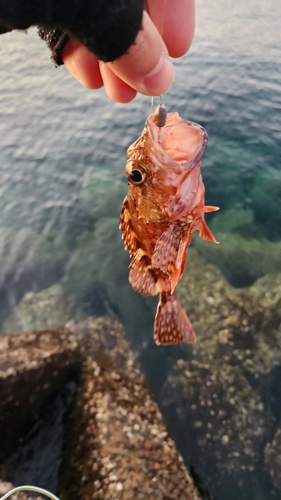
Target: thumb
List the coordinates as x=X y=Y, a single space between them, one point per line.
x=146 y=66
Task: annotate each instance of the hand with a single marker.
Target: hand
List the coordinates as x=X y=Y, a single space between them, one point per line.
x=168 y=28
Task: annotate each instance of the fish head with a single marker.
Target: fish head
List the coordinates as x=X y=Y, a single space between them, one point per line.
x=150 y=189
x=163 y=168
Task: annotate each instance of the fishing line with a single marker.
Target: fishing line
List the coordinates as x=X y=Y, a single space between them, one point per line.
x=34 y=489
x=160 y=99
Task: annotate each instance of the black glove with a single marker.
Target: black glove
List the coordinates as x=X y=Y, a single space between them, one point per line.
x=107 y=27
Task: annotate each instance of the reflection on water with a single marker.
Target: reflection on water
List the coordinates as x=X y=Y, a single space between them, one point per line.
x=62 y=152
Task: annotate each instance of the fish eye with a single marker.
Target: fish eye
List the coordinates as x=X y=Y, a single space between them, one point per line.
x=136 y=175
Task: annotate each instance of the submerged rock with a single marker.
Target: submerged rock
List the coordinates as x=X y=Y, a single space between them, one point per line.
x=242 y=260
x=219 y=400
x=233 y=220
x=95 y=259
x=50 y=307
x=100 y=257
x=95 y=301
x=272 y=457
x=116 y=445
x=26 y=247
x=266 y=194
x=29 y=262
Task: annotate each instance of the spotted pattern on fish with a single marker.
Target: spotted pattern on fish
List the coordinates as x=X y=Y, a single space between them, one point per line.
x=172 y=325
x=142 y=277
x=167 y=248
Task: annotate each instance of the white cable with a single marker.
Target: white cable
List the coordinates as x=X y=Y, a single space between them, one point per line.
x=35 y=489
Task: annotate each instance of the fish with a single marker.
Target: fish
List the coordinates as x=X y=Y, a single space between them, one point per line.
x=164 y=206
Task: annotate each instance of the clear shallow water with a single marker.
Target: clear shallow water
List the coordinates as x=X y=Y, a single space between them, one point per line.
x=63 y=150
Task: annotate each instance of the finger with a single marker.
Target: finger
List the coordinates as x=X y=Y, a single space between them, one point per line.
x=82 y=64
x=146 y=66
x=175 y=21
x=115 y=88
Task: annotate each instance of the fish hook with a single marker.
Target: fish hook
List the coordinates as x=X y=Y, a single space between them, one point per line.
x=160 y=112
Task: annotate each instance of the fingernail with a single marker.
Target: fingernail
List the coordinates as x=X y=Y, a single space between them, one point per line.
x=161 y=77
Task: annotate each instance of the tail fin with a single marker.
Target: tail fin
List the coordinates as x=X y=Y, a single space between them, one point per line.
x=172 y=325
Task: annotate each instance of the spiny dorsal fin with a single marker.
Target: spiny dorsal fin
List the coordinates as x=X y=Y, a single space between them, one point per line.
x=172 y=325
x=125 y=225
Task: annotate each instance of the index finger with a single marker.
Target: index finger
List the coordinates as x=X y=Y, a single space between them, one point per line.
x=146 y=66
x=175 y=21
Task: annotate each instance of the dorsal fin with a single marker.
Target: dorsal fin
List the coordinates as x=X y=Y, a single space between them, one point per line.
x=172 y=326
x=125 y=224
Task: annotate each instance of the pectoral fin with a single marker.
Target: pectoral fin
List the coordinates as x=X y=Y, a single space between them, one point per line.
x=166 y=250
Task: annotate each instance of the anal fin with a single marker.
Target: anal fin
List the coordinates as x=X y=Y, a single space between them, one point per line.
x=172 y=326
x=206 y=233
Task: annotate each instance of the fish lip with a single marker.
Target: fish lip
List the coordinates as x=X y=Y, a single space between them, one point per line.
x=197 y=157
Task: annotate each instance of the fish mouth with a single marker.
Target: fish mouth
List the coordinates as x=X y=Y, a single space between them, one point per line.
x=183 y=141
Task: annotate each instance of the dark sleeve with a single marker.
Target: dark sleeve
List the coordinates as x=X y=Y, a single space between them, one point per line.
x=106 y=27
